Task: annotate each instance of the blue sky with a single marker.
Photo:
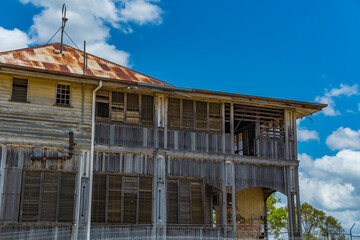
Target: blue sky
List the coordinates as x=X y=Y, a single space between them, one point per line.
x=303 y=50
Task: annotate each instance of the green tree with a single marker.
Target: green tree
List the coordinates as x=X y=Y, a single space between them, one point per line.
x=312 y=219
x=276 y=217
x=331 y=228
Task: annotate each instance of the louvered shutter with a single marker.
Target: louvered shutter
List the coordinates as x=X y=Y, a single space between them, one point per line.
x=130 y=199
x=174 y=112
x=201 y=115
x=98 y=198
x=172 y=187
x=214 y=116
x=114 y=199
x=67 y=197
x=49 y=196
x=184 y=202
x=19 y=90
x=196 y=203
x=188 y=114
x=145 y=200
x=31 y=196
x=147 y=109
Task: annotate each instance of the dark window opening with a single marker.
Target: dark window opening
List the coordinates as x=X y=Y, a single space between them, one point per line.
x=63 y=95
x=19 y=90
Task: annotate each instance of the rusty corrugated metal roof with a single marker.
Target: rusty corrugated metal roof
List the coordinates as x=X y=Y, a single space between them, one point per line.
x=71 y=61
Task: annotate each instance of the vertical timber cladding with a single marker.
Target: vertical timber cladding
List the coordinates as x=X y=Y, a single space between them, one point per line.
x=36 y=190
x=251 y=175
x=122 y=188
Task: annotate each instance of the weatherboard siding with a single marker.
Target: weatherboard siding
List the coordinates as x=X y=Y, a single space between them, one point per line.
x=39 y=118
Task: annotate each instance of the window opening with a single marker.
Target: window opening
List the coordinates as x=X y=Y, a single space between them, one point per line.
x=63 y=95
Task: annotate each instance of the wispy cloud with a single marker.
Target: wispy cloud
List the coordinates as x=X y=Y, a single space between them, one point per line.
x=91 y=21
x=328 y=98
x=344 y=138
x=304 y=135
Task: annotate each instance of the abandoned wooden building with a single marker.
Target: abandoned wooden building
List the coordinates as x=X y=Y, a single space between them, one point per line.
x=87 y=142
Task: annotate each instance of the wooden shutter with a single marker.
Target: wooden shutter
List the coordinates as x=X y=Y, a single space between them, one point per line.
x=145 y=200
x=49 y=196
x=196 y=203
x=132 y=108
x=117 y=106
x=98 y=198
x=201 y=115
x=214 y=116
x=188 y=114
x=172 y=187
x=31 y=196
x=147 y=109
x=12 y=193
x=130 y=199
x=114 y=199
x=184 y=202
x=174 y=112
x=19 y=90
x=67 y=197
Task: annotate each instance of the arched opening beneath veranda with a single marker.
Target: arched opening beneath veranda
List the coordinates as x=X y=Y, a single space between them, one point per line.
x=250 y=212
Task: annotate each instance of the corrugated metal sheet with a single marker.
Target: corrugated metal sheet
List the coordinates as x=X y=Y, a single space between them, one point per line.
x=47 y=57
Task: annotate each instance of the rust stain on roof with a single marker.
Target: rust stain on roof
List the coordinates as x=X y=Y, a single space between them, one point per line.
x=71 y=61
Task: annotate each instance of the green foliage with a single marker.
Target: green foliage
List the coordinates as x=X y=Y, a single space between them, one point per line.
x=276 y=217
x=315 y=223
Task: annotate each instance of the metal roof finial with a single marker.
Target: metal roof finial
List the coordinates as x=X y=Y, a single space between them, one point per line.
x=64 y=20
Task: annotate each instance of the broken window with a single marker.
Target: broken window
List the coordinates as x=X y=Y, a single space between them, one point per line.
x=47 y=196
x=19 y=90
x=117 y=106
x=185 y=203
x=122 y=199
x=102 y=104
x=63 y=95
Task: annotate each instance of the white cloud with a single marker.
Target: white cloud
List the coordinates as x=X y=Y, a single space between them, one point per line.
x=344 y=138
x=141 y=12
x=359 y=106
x=92 y=21
x=304 y=135
x=12 y=39
x=328 y=98
x=331 y=182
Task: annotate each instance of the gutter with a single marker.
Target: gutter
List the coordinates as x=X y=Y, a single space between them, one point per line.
x=91 y=159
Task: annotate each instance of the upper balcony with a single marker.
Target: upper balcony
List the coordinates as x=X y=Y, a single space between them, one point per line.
x=132 y=119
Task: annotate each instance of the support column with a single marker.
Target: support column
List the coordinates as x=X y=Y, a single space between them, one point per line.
x=223 y=199
x=298 y=204
x=291 y=207
x=2 y=177
x=81 y=193
x=233 y=197
x=159 y=196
